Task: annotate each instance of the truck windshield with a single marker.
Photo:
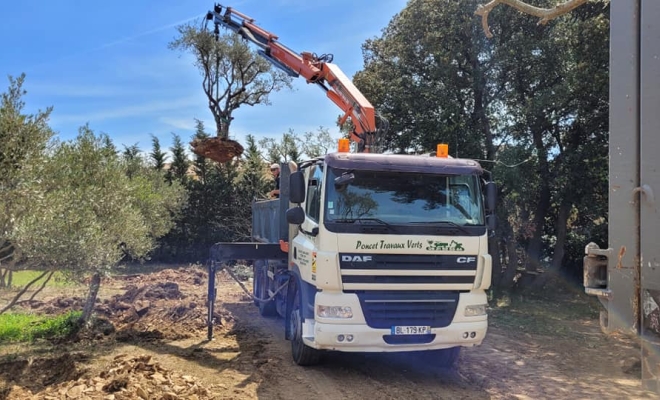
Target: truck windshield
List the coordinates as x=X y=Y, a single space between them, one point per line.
x=403 y=198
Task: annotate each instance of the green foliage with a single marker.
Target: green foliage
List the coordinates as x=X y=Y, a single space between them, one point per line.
x=132 y=160
x=430 y=82
x=28 y=327
x=178 y=169
x=24 y=140
x=293 y=147
x=253 y=183
x=316 y=144
x=531 y=103
x=201 y=164
x=91 y=214
x=233 y=74
x=157 y=156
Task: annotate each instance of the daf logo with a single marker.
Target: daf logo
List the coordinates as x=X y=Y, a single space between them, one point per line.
x=466 y=260
x=356 y=258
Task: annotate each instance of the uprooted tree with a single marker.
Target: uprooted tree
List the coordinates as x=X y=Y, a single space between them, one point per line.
x=233 y=75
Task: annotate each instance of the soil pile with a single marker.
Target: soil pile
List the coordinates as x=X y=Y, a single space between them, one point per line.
x=138 y=377
x=155 y=307
x=217 y=149
x=169 y=304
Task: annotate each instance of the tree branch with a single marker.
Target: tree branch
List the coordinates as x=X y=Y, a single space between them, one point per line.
x=22 y=292
x=546 y=14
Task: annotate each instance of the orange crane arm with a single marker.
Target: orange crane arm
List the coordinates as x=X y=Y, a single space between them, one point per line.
x=318 y=70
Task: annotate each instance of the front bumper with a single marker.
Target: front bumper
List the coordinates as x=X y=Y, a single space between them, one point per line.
x=366 y=339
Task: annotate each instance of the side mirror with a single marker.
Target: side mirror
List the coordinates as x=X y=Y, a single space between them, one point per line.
x=491 y=196
x=295 y=215
x=491 y=222
x=297 y=187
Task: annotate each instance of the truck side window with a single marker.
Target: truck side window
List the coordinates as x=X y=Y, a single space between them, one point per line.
x=314 y=188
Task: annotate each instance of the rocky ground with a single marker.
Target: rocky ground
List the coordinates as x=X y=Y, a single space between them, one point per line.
x=149 y=342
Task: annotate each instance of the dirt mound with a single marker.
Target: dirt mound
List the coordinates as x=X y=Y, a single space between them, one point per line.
x=127 y=377
x=169 y=304
x=217 y=149
x=36 y=373
x=57 y=305
x=190 y=275
x=157 y=311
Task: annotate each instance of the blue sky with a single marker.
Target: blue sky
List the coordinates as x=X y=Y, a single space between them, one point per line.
x=107 y=63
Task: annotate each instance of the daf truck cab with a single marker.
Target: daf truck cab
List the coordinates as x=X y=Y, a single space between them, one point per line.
x=385 y=253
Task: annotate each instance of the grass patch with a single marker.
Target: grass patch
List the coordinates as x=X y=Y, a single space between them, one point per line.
x=537 y=316
x=29 y=327
x=22 y=278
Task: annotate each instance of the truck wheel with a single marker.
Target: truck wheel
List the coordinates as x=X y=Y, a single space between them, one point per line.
x=267 y=309
x=443 y=358
x=302 y=354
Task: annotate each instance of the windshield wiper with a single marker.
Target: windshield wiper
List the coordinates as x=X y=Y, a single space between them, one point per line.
x=442 y=223
x=355 y=220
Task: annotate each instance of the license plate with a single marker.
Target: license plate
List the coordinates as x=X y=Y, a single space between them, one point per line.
x=411 y=330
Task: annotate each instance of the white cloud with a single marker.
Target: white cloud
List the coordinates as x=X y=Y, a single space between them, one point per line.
x=135 y=110
x=72 y=89
x=187 y=124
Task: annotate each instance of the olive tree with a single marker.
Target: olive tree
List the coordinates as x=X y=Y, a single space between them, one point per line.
x=92 y=213
x=23 y=142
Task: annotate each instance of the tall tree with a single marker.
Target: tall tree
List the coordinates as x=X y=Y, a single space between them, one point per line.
x=286 y=149
x=131 y=156
x=157 y=155
x=233 y=75
x=178 y=169
x=200 y=164
x=252 y=180
x=437 y=87
x=316 y=144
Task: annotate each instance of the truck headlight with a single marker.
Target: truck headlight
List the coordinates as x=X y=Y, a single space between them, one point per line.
x=334 y=312
x=475 y=310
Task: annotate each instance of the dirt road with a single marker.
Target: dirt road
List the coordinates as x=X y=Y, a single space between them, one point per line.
x=249 y=358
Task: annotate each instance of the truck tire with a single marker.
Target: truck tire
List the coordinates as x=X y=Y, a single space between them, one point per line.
x=443 y=358
x=266 y=309
x=302 y=354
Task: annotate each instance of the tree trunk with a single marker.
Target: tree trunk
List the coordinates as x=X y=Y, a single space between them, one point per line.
x=94 y=286
x=43 y=285
x=535 y=246
x=3 y=273
x=561 y=229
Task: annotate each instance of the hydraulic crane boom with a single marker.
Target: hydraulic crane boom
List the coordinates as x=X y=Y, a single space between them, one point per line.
x=367 y=125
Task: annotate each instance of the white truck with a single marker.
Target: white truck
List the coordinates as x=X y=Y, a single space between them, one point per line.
x=366 y=252
x=374 y=253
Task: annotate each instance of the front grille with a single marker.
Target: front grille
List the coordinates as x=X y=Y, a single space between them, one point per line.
x=382 y=279
x=402 y=289
x=424 y=262
x=384 y=309
x=364 y=271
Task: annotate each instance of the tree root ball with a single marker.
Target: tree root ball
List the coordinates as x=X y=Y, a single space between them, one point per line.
x=217 y=149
